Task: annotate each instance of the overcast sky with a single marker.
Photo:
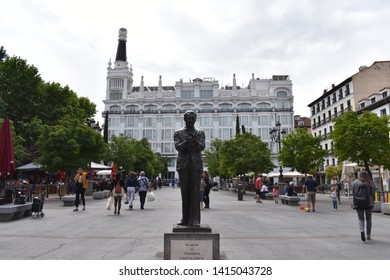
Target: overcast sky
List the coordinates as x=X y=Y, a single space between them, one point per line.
x=316 y=43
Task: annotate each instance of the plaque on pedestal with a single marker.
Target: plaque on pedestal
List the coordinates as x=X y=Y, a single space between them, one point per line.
x=191 y=243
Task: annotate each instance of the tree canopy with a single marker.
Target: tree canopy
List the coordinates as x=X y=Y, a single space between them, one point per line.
x=245 y=153
x=136 y=155
x=302 y=152
x=363 y=139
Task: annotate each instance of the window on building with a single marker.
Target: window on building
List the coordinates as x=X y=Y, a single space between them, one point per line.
x=116 y=83
x=334 y=100
x=149 y=134
x=384 y=94
x=206 y=93
x=225 y=133
x=225 y=107
x=169 y=108
x=245 y=120
x=131 y=121
x=342 y=108
x=328 y=101
x=113 y=122
x=326 y=147
x=349 y=107
x=264 y=133
x=225 y=121
x=282 y=94
x=167 y=148
x=362 y=105
x=209 y=133
x=206 y=107
x=115 y=109
x=373 y=100
x=167 y=134
x=168 y=122
x=347 y=90
x=383 y=112
x=149 y=122
x=132 y=109
x=115 y=95
x=244 y=107
x=284 y=119
x=131 y=133
x=264 y=120
x=340 y=94
x=150 y=109
x=263 y=106
x=187 y=94
x=205 y=121
x=186 y=107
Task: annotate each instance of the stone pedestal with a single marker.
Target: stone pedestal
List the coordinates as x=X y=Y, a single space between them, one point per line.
x=191 y=243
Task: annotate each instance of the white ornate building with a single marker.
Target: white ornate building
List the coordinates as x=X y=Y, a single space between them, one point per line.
x=155 y=112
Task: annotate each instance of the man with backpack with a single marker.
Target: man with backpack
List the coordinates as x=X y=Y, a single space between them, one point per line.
x=363 y=200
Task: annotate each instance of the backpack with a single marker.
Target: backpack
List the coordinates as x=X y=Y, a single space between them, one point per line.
x=361 y=198
x=118 y=188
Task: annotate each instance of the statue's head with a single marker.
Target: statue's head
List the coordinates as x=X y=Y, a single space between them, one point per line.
x=190 y=118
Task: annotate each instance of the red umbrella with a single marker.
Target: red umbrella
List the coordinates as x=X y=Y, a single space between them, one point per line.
x=7 y=159
x=113 y=171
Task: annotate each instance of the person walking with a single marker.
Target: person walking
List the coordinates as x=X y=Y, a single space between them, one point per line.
x=117 y=191
x=202 y=188
x=143 y=186
x=207 y=188
x=311 y=189
x=333 y=195
x=131 y=187
x=81 y=183
x=363 y=200
x=275 y=193
x=258 y=185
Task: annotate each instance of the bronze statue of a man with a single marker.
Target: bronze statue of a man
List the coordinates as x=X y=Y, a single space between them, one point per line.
x=190 y=143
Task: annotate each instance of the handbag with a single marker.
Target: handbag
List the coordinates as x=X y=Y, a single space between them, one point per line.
x=150 y=196
x=126 y=199
x=110 y=201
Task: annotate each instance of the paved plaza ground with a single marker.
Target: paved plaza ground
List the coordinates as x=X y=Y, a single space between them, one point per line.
x=248 y=231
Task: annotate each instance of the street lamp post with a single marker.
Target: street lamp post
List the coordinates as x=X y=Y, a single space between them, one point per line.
x=276 y=137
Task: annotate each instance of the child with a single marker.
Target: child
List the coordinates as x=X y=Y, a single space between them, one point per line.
x=333 y=195
x=275 y=193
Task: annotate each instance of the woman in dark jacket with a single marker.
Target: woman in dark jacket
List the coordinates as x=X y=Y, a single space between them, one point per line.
x=365 y=181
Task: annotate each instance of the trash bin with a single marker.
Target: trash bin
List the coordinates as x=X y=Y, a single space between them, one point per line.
x=240 y=192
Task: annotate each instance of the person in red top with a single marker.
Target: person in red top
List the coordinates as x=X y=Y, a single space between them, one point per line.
x=258 y=184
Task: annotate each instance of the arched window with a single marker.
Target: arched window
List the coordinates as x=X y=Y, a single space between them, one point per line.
x=115 y=109
x=132 y=108
x=282 y=94
x=263 y=105
x=150 y=109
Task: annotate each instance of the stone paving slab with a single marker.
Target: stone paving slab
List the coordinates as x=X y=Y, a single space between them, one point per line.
x=248 y=230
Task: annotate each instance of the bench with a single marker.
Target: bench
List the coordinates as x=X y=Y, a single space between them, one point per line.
x=385 y=208
x=12 y=211
x=290 y=200
x=98 y=195
x=68 y=200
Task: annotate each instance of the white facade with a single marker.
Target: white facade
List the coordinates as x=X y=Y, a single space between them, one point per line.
x=156 y=112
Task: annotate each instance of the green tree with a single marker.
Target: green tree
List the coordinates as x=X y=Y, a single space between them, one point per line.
x=69 y=145
x=245 y=153
x=19 y=90
x=302 y=152
x=363 y=139
x=237 y=125
x=135 y=155
x=331 y=171
x=213 y=158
